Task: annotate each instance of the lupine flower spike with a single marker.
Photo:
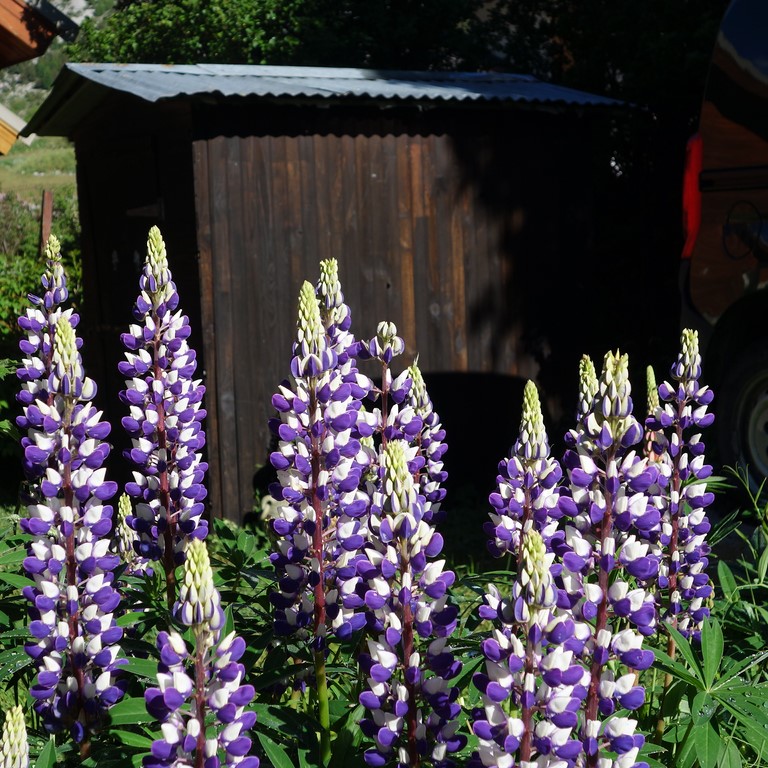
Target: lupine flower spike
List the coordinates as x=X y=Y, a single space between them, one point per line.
x=528 y=671
x=683 y=579
x=126 y=542
x=527 y=484
x=206 y=682
x=652 y=436
x=164 y=421
x=14 y=749
x=412 y=707
x=606 y=542
x=321 y=518
x=431 y=444
x=73 y=598
x=527 y=638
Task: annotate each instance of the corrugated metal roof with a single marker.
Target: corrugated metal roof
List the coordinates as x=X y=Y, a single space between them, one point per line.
x=154 y=82
x=157 y=82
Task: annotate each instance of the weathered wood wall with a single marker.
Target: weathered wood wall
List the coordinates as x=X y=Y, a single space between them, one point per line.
x=441 y=225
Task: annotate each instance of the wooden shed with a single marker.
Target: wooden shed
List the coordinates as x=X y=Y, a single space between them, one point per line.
x=451 y=201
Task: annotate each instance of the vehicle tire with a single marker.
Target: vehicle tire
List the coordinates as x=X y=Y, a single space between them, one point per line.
x=741 y=410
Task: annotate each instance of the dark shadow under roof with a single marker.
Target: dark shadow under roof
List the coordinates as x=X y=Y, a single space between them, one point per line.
x=80 y=87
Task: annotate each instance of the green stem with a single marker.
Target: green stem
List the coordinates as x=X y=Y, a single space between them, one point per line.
x=323 y=707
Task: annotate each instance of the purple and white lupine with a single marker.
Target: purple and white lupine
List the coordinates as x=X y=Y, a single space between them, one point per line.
x=608 y=562
x=14 y=748
x=412 y=708
x=321 y=519
x=200 y=700
x=126 y=542
x=532 y=686
x=395 y=414
x=73 y=599
x=431 y=444
x=683 y=581
x=528 y=484
x=164 y=420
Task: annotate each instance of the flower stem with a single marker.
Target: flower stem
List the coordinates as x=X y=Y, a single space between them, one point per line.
x=323 y=707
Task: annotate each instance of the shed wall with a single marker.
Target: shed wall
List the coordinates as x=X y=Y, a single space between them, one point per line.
x=441 y=228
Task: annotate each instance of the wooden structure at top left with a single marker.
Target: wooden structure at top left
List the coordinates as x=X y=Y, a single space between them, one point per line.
x=26 y=31
x=27 y=28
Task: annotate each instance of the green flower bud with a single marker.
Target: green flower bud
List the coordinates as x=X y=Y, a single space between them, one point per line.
x=653 y=390
x=14 y=748
x=532 y=443
x=398 y=481
x=535 y=577
x=588 y=384
x=199 y=604
x=310 y=324
x=419 y=390
x=157 y=261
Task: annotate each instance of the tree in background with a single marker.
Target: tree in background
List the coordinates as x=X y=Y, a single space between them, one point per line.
x=392 y=34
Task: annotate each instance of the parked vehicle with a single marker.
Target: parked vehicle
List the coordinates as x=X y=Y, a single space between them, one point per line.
x=725 y=257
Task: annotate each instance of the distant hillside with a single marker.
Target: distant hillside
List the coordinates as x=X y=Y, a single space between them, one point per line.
x=48 y=163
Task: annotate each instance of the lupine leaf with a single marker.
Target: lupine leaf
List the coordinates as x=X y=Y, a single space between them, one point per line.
x=11 y=661
x=727 y=580
x=141 y=667
x=675 y=668
x=762 y=565
x=708 y=744
x=129 y=712
x=711 y=650
x=13 y=557
x=733 y=669
x=16 y=580
x=702 y=708
x=730 y=757
x=276 y=754
x=47 y=756
x=684 y=647
x=131 y=739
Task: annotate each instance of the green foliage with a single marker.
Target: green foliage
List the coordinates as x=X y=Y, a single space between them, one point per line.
x=720 y=703
x=20 y=261
x=391 y=34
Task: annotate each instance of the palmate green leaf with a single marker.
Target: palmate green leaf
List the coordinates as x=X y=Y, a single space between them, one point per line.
x=702 y=708
x=730 y=756
x=11 y=661
x=708 y=744
x=131 y=739
x=276 y=754
x=16 y=580
x=752 y=720
x=732 y=669
x=727 y=580
x=47 y=756
x=685 y=650
x=141 y=667
x=762 y=565
x=711 y=650
x=129 y=712
x=13 y=556
x=675 y=668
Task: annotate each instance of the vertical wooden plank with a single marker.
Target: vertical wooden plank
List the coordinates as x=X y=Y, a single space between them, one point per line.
x=366 y=222
x=420 y=227
x=388 y=278
x=403 y=190
x=203 y=216
x=225 y=336
x=350 y=244
x=454 y=258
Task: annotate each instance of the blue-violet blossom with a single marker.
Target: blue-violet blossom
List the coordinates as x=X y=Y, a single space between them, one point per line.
x=164 y=419
x=73 y=600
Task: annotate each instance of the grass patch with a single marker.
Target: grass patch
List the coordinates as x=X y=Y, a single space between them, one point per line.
x=49 y=163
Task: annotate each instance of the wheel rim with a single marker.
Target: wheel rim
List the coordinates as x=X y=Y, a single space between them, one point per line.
x=754 y=418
